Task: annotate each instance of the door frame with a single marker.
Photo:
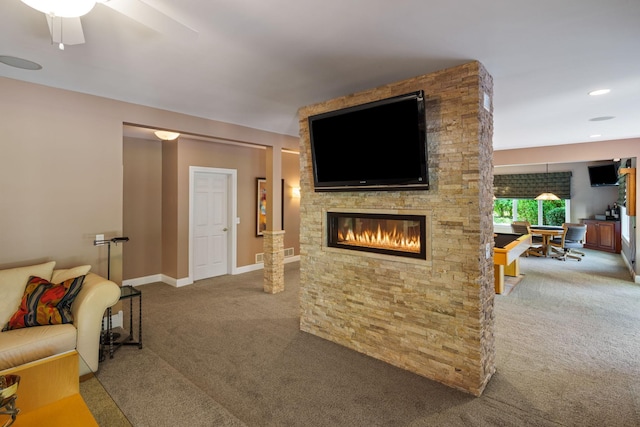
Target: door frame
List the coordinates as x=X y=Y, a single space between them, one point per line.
x=232 y=214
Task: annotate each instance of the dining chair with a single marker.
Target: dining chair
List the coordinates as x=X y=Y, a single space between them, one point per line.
x=524 y=227
x=573 y=238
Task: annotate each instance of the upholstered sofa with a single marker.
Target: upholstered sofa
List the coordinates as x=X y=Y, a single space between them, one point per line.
x=78 y=330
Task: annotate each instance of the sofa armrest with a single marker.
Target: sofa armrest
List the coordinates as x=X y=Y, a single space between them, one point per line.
x=97 y=294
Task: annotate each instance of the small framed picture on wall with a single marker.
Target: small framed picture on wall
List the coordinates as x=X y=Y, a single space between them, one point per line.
x=261 y=219
x=262 y=199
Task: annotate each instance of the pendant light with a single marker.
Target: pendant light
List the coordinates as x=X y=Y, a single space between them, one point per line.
x=547 y=196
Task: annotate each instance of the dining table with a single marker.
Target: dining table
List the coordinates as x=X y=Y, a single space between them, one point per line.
x=547 y=232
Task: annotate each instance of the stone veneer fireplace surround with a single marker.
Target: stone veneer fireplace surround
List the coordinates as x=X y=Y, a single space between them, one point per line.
x=433 y=317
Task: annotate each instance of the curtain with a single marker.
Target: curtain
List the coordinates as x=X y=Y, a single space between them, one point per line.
x=530 y=185
x=622 y=184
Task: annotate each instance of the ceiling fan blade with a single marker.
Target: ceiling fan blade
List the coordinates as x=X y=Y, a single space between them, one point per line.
x=65 y=30
x=151 y=17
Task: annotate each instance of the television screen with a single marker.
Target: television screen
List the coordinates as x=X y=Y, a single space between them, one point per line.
x=375 y=146
x=603 y=175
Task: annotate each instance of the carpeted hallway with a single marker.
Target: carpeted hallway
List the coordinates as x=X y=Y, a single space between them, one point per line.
x=223 y=353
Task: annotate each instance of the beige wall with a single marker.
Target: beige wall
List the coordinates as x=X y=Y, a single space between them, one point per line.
x=291 y=176
x=583 y=152
x=250 y=164
x=170 y=197
x=156 y=189
x=61 y=170
x=142 y=208
x=60 y=175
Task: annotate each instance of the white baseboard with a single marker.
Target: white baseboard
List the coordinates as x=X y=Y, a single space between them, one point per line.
x=260 y=265
x=176 y=282
x=248 y=268
x=143 y=280
x=155 y=278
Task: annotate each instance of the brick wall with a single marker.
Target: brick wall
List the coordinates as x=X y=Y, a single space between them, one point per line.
x=435 y=317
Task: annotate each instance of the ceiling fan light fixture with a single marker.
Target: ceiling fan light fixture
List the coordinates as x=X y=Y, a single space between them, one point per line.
x=166 y=135
x=62 y=8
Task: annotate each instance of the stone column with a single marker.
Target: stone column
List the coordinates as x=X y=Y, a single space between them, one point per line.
x=273 y=261
x=273 y=243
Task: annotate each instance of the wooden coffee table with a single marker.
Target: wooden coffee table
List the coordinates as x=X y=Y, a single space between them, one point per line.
x=49 y=393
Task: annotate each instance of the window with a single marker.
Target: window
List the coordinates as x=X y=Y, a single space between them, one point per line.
x=516 y=195
x=540 y=212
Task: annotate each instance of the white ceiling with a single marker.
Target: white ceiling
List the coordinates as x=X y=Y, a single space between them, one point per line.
x=256 y=62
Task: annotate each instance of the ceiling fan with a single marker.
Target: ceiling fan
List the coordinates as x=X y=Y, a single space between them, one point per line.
x=63 y=18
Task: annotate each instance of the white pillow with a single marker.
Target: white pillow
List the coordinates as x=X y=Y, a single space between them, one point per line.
x=61 y=275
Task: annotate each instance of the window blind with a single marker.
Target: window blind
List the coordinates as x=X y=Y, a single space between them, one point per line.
x=530 y=185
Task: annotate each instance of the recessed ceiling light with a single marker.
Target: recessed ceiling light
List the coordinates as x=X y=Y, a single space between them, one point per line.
x=602 y=118
x=596 y=135
x=599 y=92
x=14 y=61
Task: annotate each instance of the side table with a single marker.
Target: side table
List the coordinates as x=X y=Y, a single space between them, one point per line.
x=49 y=393
x=110 y=338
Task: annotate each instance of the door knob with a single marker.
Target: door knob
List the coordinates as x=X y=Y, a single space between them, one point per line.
x=225 y=229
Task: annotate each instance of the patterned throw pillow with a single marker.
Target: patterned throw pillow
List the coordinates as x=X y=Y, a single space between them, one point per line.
x=45 y=303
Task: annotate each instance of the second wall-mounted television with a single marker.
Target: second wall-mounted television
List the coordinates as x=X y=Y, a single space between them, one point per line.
x=603 y=175
x=381 y=145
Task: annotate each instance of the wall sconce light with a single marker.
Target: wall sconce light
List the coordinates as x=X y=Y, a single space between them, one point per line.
x=166 y=136
x=295 y=192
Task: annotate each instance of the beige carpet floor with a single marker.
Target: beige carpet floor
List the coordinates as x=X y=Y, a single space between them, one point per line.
x=103 y=408
x=221 y=352
x=510 y=282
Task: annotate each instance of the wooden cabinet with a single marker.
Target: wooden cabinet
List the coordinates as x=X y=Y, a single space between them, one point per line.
x=603 y=235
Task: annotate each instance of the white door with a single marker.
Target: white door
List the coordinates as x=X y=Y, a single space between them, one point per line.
x=210 y=225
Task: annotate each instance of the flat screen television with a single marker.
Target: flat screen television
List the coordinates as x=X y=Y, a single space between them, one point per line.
x=603 y=175
x=381 y=145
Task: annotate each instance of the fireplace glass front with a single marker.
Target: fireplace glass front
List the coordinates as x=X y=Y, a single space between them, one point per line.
x=390 y=234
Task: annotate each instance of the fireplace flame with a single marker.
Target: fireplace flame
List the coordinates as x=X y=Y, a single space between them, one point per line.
x=391 y=239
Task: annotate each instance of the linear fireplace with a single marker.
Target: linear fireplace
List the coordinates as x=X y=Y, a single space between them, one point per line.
x=390 y=234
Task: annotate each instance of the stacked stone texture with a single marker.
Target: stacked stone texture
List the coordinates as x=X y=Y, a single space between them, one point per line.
x=434 y=318
x=273 y=261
